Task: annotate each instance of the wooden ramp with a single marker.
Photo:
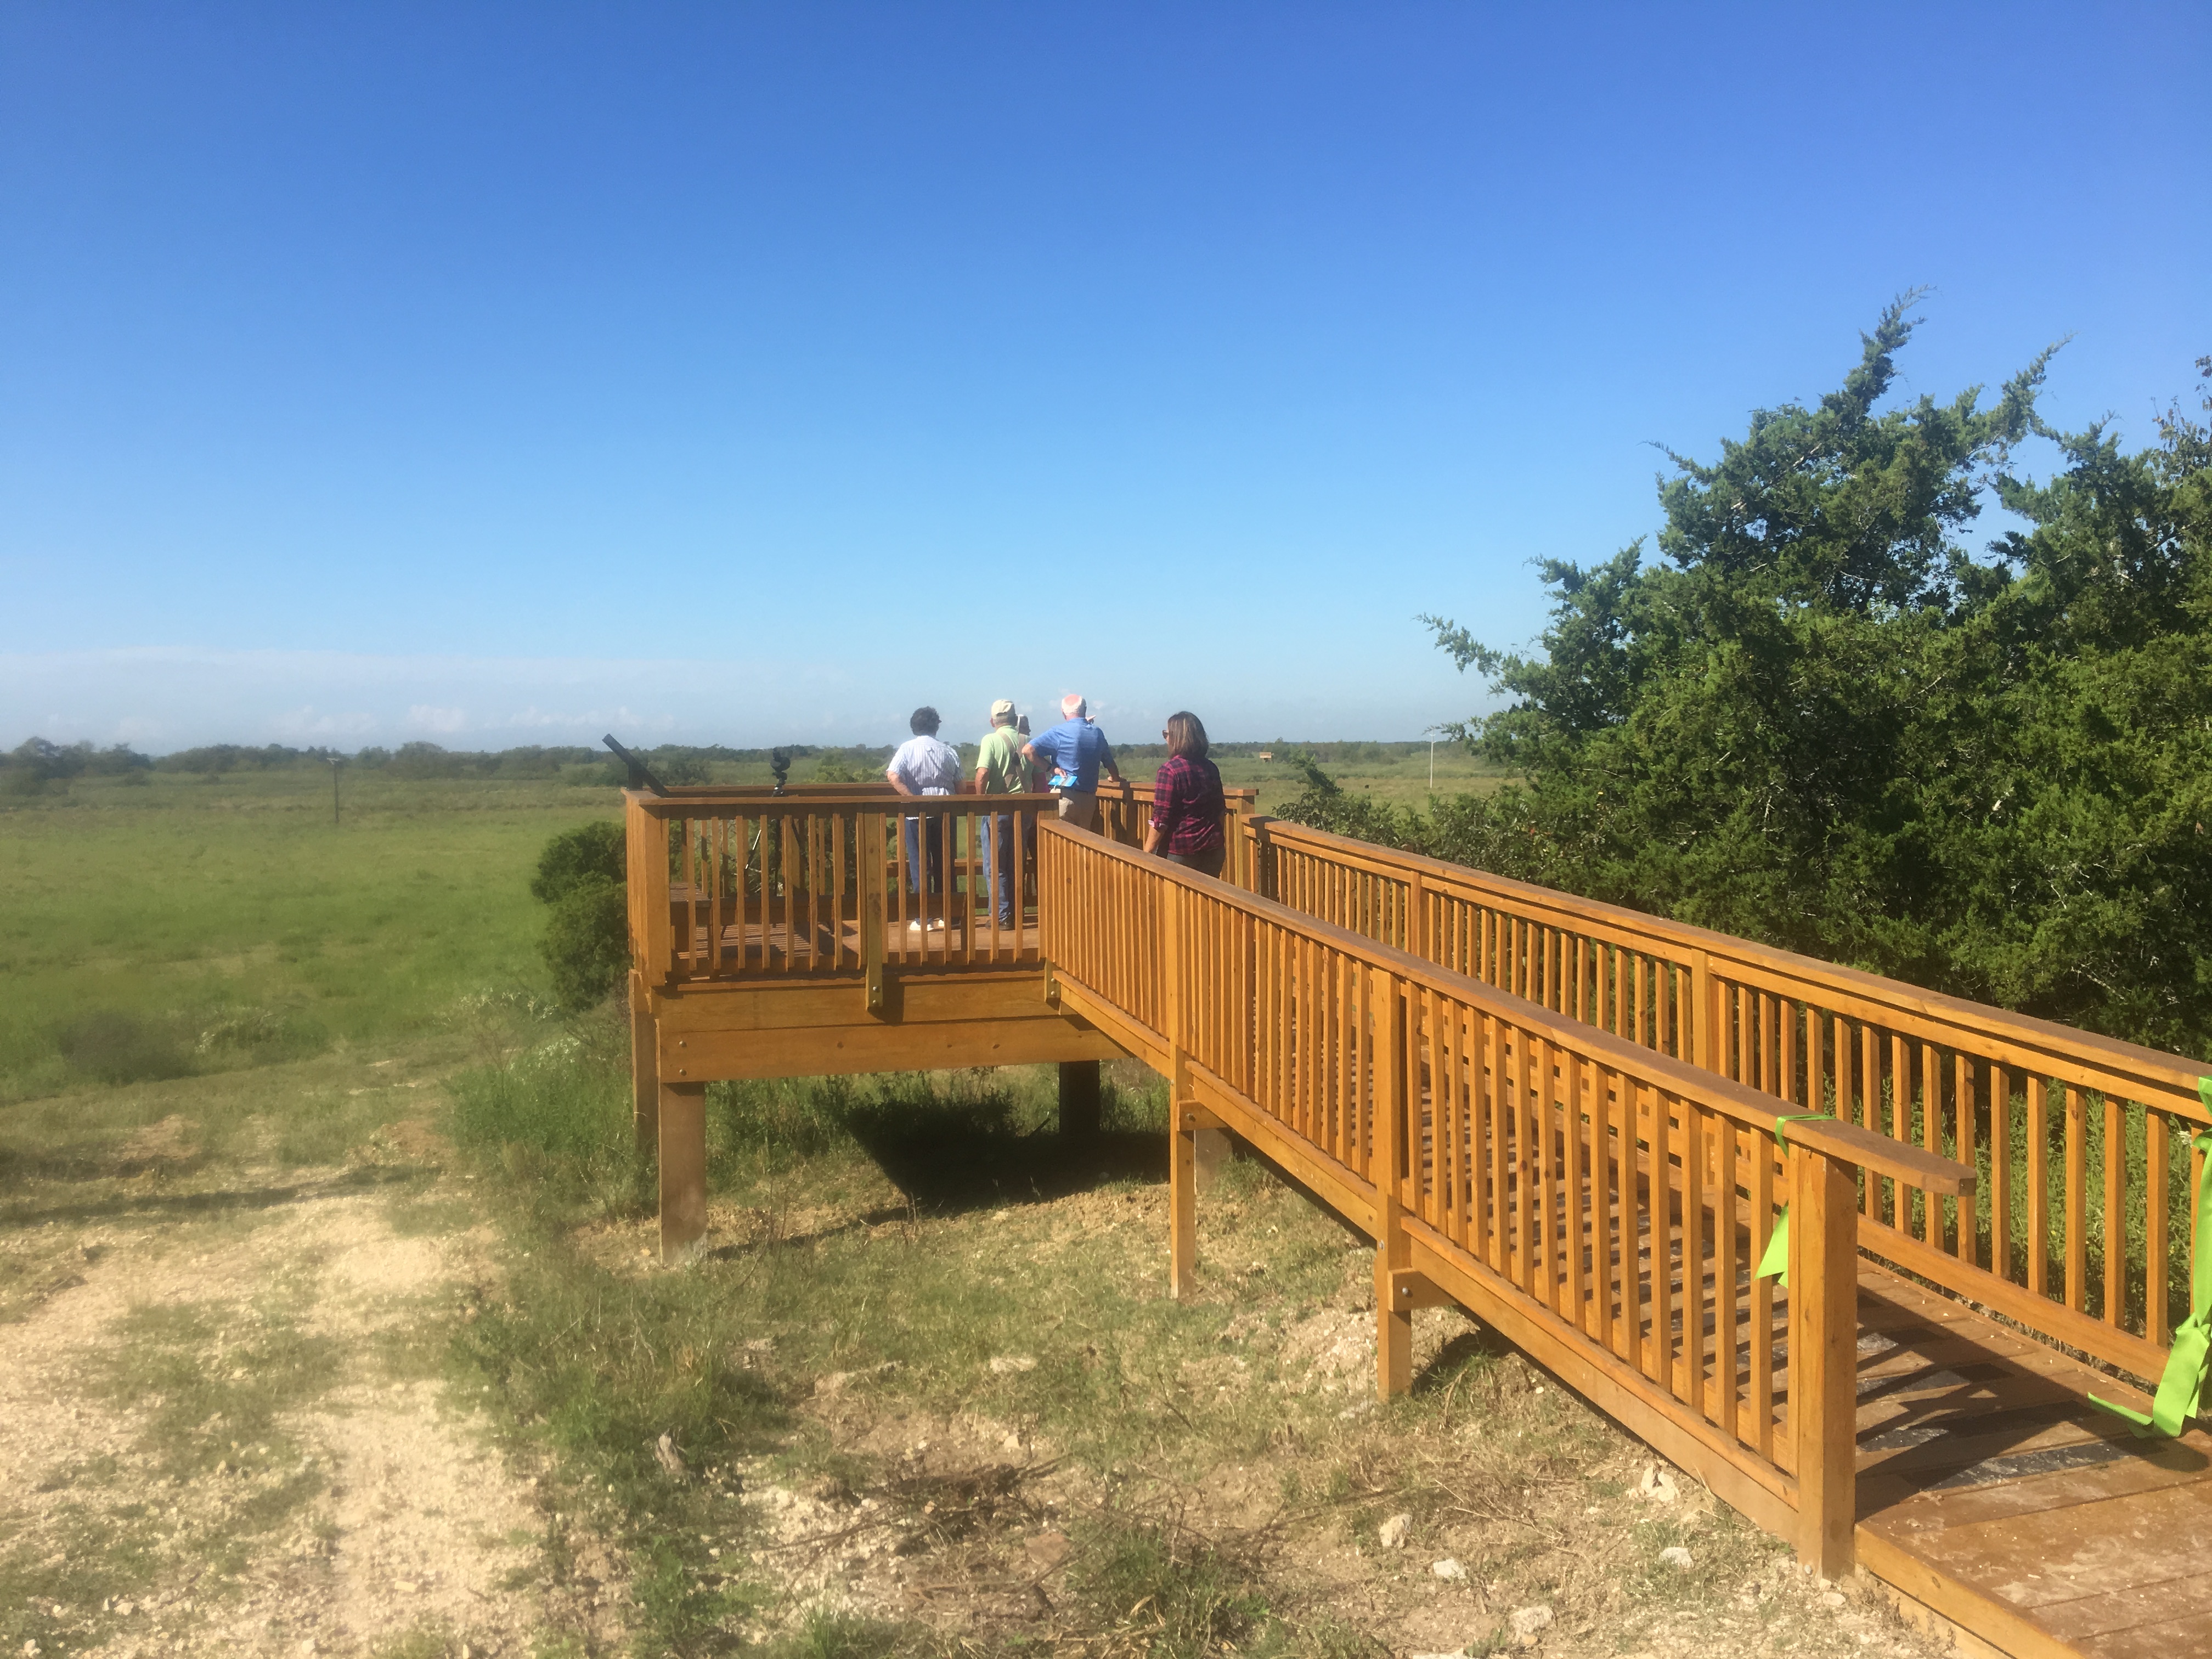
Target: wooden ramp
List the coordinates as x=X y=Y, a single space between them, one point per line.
x=1990 y=1489
x=1584 y=1125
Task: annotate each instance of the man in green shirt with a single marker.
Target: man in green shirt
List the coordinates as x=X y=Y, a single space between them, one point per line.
x=1001 y=769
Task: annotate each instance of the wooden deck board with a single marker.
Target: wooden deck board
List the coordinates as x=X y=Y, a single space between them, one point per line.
x=1980 y=1456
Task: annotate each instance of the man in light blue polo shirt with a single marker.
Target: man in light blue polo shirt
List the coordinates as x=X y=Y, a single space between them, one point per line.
x=1075 y=750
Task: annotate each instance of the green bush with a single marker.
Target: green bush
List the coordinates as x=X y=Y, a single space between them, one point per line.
x=586 y=944
x=589 y=853
x=580 y=875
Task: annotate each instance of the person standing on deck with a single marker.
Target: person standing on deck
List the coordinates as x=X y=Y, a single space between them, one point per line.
x=1076 y=750
x=1001 y=769
x=1188 y=807
x=924 y=766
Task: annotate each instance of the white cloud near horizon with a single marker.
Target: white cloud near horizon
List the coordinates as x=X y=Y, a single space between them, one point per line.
x=161 y=698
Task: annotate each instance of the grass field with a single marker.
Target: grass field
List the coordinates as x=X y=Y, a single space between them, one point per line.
x=323 y=1240
x=182 y=925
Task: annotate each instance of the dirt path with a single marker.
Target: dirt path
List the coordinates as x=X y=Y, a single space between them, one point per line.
x=224 y=1430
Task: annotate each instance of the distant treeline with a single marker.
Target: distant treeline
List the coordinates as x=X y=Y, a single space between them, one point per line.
x=39 y=761
x=43 y=761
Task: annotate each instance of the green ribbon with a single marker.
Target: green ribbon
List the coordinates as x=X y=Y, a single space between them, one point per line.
x=2181 y=1390
x=1775 y=1264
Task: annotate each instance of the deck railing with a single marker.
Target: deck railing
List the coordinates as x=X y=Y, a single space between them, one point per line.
x=2080 y=1225
x=1616 y=1194
x=733 y=884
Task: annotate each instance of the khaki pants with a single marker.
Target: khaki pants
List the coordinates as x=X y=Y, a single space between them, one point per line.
x=1080 y=809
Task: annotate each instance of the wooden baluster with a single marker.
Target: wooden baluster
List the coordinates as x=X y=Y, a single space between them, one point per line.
x=1638 y=1223
x=2156 y=1326
x=1528 y=1161
x=1909 y=1099
x=2038 y=1184
x=788 y=867
x=1703 y=1016
x=1967 y=1242
x=1543 y=1167
x=2116 y=1215
x=835 y=831
x=1577 y=1183
x=648 y=869
x=1726 y=1308
x=1762 y=1297
x=1606 y=1186
x=1931 y=1140
x=1869 y=1065
x=1354 y=1062
x=715 y=829
x=1696 y=1196
x=1424 y=1060
x=897 y=901
x=1498 y=1042
x=1459 y=1068
x=869 y=905
x=817 y=886
x=1481 y=1091
x=1663 y=1137
x=2077 y=1181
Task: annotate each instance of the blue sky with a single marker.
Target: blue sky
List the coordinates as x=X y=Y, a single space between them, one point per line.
x=750 y=373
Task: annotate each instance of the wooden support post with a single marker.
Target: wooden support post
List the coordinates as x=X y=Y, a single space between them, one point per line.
x=683 y=1167
x=1824 y=1297
x=1078 y=1099
x=1190 y=1133
x=1394 y=1324
x=1182 y=1212
x=1209 y=1148
x=644 y=1067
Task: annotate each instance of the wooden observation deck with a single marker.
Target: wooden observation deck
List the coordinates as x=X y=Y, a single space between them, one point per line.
x=1578 y=1122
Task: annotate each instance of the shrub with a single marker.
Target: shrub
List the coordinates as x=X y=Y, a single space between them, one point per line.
x=580 y=875
x=114 y=1046
x=834 y=766
x=586 y=944
x=590 y=852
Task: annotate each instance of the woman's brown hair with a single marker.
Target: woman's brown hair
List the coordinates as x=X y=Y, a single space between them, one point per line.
x=1186 y=735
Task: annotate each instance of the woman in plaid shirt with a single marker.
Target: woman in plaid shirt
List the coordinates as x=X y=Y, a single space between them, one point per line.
x=1187 y=804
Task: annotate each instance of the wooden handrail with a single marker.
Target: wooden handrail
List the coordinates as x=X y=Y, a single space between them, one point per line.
x=2042 y=1044
x=1911 y=1064
x=681 y=798
x=1737 y=1100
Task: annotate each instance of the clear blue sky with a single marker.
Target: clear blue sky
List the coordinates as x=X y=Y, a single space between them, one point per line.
x=752 y=374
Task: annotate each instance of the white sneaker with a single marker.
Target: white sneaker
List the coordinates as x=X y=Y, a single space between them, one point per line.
x=936 y=924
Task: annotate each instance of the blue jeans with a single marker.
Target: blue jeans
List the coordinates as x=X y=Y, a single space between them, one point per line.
x=913 y=856
x=1002 y=858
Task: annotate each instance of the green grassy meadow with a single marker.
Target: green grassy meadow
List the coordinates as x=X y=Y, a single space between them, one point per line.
x=181 y=927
